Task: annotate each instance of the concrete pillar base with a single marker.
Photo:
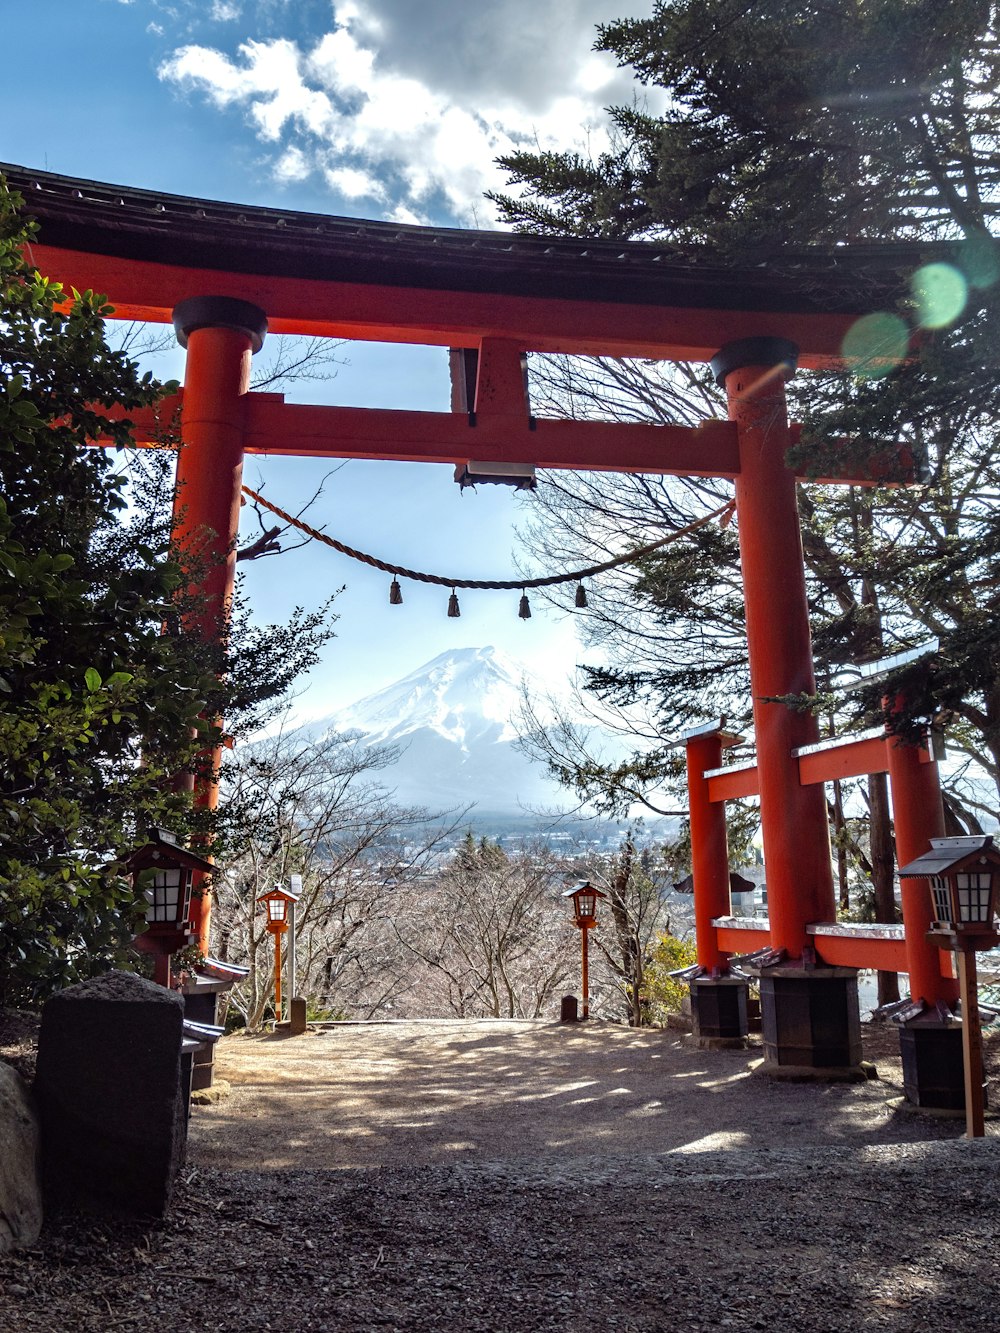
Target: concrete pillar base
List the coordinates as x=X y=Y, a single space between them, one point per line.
x=719 y=1012
x=810 y=1019
x=933 y=1064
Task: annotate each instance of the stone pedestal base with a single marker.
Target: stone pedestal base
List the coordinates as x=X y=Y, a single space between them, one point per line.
x=933 y=1066
x=719 y=1012
x=810 y=1019
x=109 y=1094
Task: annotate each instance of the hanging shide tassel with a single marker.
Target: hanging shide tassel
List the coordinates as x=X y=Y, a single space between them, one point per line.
x=581 y=596
x=524 y=610
x=453 y=608
x=395 y=593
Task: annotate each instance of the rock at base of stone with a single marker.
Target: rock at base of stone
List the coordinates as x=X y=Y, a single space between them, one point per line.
x=209 y=1096
x=20 y=1183
x=109 y=1096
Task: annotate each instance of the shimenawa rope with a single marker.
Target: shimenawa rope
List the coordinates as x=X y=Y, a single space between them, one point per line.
x=506 y=585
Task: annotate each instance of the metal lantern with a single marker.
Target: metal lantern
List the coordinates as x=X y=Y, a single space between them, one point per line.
x=276 y=902
x=163 y=871
x=964 y=875
x=584 y=897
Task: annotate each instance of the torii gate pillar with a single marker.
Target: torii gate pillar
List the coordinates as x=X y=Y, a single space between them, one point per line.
x=810 y=1014
x=221 y=335
x=930 y=1044
x=718 y=999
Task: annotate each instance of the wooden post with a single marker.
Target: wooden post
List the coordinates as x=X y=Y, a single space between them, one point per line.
x=277 y=976
x=918 y=816
x=972 y=1043
x=586 y=976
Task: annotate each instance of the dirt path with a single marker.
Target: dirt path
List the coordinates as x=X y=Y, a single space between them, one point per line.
x=527 y=1178
x=434 y=1092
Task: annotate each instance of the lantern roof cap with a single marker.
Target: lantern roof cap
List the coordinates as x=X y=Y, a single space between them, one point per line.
x=164 y=845
x=278 y=892
x=951 y=854
x=583 y=886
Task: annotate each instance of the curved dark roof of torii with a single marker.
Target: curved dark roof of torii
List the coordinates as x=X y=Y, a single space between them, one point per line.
x=155 y=249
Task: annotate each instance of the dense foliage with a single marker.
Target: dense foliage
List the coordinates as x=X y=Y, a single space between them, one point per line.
x=102 y=692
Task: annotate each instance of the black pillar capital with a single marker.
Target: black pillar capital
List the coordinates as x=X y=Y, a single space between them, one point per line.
x=754 y=352
x=219 y=312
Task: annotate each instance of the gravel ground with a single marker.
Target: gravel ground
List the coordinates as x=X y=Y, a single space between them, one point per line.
x=530 y=1177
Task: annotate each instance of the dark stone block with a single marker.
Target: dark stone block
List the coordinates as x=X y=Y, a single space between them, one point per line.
x=933 y=1065
x=298 y=1021
x=719 y=1008
x=810 y=1018
x=569 y=1009
x=109 y=1094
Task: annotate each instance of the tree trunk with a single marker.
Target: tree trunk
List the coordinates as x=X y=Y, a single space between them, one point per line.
x=844 y=888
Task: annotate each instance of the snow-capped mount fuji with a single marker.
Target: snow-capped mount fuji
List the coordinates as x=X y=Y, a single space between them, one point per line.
x=455 y=720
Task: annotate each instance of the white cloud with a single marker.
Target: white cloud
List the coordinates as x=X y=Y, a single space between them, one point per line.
x=292 y=165
x=354 y=184
x=408 y=105
x=225 y=11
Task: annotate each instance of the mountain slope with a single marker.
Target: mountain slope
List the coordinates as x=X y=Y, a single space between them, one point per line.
x=455 y=719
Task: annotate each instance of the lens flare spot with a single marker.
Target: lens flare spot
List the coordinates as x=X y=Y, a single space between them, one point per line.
x=875 y=345
x=980 y=260
x=940 y=292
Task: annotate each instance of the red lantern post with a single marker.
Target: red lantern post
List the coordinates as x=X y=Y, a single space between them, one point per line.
x=277 y=901
x=584 y=897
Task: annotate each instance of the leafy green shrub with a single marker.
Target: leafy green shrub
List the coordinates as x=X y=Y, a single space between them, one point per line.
x=663 y=994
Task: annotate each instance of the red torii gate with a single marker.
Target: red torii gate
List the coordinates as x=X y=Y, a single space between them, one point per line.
x=224 y=274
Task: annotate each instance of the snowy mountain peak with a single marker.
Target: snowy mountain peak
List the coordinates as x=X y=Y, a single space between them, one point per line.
x=466 y=695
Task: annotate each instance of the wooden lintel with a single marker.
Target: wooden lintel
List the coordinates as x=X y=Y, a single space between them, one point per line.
x=880 y=955
x=730 y=786
x=276 y=427
x=867 y=755
x=448 y=437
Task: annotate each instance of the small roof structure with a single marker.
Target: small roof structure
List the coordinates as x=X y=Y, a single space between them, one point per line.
x=737 y=884
x=163 y=847
x=949 y=856
x=583 y=886
x=278 y=892
x=728 y=738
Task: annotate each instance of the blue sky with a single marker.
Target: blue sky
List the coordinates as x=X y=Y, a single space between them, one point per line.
x=374 y=108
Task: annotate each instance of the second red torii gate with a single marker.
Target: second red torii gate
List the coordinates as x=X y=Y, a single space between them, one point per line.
x=225 y=274
x=916 y=800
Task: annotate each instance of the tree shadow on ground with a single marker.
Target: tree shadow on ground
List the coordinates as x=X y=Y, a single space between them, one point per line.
x=422 y=1093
